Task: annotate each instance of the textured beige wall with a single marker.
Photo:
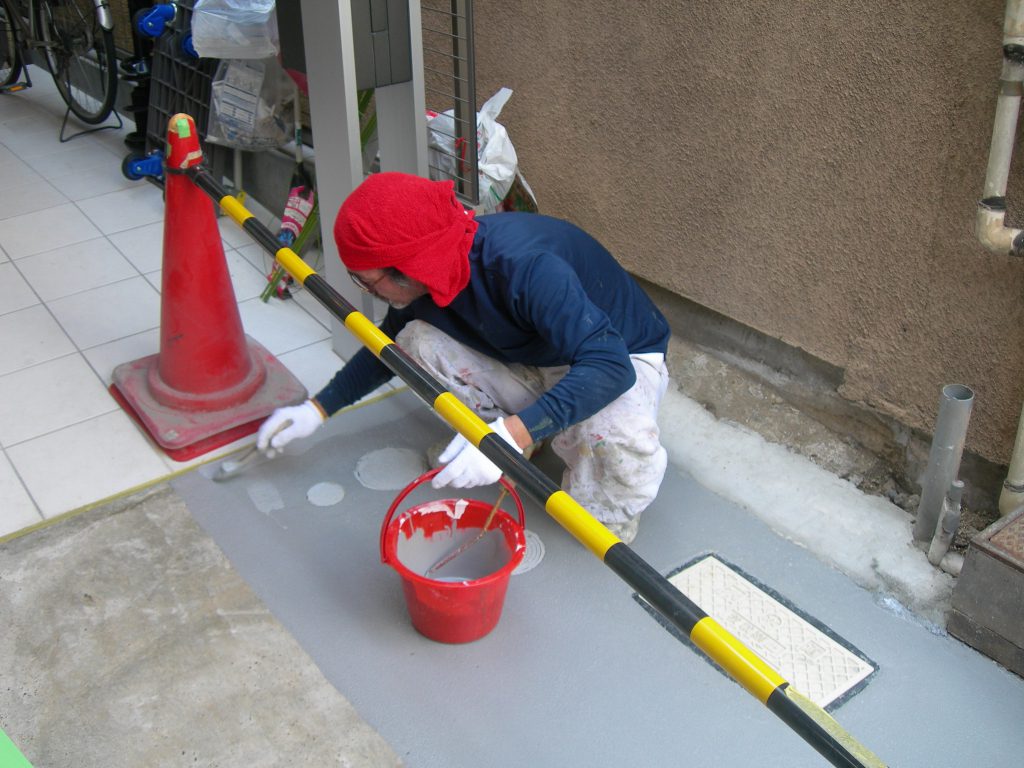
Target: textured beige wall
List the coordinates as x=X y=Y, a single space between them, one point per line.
x=808 y=169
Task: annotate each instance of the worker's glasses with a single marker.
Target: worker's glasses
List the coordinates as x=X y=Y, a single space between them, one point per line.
x=363 y=285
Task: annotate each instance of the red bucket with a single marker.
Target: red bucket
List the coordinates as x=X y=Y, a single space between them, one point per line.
x=461 y=601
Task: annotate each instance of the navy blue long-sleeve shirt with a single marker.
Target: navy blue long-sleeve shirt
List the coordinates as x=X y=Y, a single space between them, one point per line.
x=541 y=292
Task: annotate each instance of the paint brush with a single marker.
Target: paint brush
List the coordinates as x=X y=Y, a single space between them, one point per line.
x=466 y=545
x=232 y=467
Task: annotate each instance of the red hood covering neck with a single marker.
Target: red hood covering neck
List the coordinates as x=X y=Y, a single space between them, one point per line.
x=413 y=224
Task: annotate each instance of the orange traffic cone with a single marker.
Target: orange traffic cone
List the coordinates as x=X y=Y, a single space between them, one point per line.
x=210 y=384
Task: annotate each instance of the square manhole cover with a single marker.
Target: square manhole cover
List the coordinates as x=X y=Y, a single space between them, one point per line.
x=817 y=663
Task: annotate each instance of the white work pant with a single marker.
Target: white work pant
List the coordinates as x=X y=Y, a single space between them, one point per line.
x=614 y=460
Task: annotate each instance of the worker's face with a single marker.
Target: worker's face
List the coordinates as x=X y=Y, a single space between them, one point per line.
x=398 y=291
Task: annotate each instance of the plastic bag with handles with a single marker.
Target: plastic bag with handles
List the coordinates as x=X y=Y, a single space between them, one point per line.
x=498 y=164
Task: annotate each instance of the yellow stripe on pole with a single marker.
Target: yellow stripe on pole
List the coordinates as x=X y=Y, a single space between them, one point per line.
x=463 y=420
x=368 y=333
x=828 y=724
x=233 y=208
x=294 y=264
x=739 y=661
x=580 y=523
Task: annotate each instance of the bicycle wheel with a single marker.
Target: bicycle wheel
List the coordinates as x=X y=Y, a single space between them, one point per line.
x=10 y=54
x=81 y=57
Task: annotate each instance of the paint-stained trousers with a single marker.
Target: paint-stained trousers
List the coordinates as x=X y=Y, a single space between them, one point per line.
x=614 y=460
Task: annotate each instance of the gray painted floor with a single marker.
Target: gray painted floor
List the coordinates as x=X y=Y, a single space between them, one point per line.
x=577 y=672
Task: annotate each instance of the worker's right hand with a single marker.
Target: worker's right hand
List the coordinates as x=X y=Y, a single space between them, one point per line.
x=466 y=466
x=287 y=424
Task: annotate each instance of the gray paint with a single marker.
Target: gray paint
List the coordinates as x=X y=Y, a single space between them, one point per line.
x=577 y=672
x=482 y=557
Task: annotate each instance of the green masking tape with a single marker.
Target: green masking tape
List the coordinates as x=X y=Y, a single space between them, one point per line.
x=10 y=755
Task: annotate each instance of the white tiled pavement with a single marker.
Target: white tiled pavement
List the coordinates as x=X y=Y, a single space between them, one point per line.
x=81 y=249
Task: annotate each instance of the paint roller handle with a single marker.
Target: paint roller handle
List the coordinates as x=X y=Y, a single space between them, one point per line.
x=426 y=477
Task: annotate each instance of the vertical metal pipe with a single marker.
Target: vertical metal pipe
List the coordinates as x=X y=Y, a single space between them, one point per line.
x=1012 y=495
x=990 y=223
x=949 y=521
x=1013 y=23
x=944 y=459
x=1004 y=129
x=467 y=179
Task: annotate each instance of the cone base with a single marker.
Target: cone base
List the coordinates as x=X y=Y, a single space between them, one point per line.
x=182 y=434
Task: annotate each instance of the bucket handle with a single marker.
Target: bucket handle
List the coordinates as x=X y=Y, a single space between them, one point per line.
x=422 y=479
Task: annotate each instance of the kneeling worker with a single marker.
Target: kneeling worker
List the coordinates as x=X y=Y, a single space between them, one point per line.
x=527 y=319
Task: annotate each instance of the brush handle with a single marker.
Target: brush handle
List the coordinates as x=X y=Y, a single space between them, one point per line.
x=418 y=482
x=494 y=509
x=462 y=548
x=231 y=467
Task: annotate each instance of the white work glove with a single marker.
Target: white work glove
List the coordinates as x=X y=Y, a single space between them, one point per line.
x=287 y=424
x=467 y=467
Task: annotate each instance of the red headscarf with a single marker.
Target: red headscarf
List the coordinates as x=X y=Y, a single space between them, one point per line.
x=413 y=224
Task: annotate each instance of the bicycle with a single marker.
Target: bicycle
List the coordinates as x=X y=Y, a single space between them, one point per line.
x=75 y=39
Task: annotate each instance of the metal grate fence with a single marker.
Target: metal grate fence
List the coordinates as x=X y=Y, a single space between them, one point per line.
x=449 y=80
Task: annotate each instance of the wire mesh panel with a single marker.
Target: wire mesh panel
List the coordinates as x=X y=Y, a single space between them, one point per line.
x=180 y=82
x=450 y=87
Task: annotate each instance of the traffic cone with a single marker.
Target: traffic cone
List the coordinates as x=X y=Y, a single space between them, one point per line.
x=210 y=384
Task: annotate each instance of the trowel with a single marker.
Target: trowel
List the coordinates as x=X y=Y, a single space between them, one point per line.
x=249 y=457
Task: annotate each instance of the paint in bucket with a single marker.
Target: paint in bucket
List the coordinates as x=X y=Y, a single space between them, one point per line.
x=462 y=601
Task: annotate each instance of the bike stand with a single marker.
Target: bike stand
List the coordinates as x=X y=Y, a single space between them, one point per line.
x=63 y=139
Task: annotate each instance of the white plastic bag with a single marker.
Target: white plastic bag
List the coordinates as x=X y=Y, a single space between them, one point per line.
x=496 y=157
x=235 y=29
x=251 y=104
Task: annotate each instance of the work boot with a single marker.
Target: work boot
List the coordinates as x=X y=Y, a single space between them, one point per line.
x=626 y=531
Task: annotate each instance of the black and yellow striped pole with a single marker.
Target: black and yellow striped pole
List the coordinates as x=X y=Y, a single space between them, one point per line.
x=805 y=717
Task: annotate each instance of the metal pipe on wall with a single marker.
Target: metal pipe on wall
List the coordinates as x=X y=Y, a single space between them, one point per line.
x=948 y=522
x=944 y=458
x=990 y=224
x=1012 y=495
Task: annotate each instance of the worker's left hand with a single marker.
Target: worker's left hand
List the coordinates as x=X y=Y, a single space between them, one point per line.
x=467 y=467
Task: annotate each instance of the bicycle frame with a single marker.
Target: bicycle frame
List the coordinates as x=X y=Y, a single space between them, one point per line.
x=75 y=40
x=27 y=22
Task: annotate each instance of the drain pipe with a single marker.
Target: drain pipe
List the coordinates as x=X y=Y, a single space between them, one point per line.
x=990 y=227
x=944 y=459
x=949 y=520
x=1012 y=496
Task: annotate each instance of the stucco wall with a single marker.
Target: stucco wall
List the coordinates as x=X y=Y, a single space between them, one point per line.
x=808 y=169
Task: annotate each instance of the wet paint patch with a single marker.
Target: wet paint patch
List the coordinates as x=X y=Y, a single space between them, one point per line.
x=390 y=469
x=325 y=494
x=534 y=553
x=266 y=498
